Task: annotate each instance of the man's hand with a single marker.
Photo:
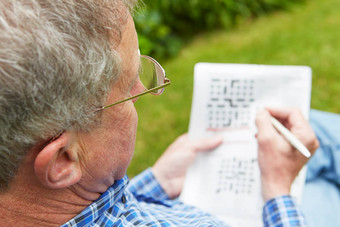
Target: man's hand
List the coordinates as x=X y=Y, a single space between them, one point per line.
x=171 y=167
x=279 y=161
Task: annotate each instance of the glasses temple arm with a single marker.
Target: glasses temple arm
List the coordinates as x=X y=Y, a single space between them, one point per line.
x=167 y=82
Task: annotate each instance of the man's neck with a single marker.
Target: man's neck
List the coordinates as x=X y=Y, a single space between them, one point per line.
x=30 y=205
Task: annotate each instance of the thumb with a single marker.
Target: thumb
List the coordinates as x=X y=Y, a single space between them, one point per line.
x=208 y=143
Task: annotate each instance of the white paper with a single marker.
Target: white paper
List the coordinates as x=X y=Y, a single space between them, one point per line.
x=226 y=181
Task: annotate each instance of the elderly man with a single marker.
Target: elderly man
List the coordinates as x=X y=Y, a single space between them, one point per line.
x=70 y=72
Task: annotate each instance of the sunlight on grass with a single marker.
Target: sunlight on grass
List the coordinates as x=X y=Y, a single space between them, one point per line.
x=307 y=35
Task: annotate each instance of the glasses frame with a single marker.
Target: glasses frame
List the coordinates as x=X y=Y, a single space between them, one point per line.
x=166 y=81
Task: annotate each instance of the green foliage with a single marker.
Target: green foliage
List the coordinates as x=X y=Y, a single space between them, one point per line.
x=164 y=25
x=307 y=34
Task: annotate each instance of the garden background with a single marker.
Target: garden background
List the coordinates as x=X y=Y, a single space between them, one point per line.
x=277 y=32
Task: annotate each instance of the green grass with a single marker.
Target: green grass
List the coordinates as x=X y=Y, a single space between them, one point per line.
x=308 y=34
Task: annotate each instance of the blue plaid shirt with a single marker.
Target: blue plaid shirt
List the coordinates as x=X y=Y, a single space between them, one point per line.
x=143 y=202
x=281 y=212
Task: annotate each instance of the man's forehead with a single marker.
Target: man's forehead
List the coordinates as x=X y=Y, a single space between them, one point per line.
x=129 y=53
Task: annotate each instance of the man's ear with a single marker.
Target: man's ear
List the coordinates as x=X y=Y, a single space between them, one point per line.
x=57 y=164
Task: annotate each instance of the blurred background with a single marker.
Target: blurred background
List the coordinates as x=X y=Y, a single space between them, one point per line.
x=277 y=32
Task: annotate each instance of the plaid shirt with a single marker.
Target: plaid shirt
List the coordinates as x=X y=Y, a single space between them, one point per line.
x=144 y=203
x=281 y=212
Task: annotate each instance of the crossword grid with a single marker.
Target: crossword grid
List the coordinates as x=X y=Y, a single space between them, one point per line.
x=229 y=103
x=236 y=175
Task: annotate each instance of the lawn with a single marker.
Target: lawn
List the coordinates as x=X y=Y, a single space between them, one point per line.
x=307 y=34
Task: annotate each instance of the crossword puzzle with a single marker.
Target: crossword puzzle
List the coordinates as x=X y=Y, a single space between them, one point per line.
x=229 y=103
x=236 y=175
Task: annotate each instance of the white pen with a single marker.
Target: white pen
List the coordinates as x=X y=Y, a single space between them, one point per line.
x=290 y=137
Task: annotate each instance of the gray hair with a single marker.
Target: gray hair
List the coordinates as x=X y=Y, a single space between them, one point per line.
x=57 y=62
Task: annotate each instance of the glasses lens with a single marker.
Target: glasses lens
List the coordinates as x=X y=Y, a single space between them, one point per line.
x=151 y=75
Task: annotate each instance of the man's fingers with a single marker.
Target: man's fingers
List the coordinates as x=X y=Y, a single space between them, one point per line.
x=280 y=113
x=263 y=123
x=267 y=135
x=289 y=115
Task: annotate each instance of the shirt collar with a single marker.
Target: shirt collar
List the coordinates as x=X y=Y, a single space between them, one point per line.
x=114 y=193
x=108 y=199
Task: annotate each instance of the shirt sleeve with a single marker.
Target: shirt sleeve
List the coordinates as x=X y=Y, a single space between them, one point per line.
x=282 y=212
x=145 y=185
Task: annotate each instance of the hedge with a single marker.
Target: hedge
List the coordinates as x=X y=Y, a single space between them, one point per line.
x=164 y=25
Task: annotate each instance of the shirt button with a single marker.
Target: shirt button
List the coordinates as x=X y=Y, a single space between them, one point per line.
x=123 y=199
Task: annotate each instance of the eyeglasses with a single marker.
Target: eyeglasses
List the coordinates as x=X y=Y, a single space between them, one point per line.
x=152 y=76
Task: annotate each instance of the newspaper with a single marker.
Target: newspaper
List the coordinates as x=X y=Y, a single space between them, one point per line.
x=226 y=181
